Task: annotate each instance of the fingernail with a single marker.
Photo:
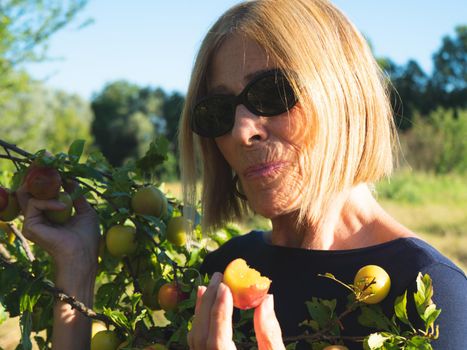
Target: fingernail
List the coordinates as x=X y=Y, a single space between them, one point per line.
x=216 y=279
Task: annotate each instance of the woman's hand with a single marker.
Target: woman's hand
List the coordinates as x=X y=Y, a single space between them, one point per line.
x=77 y=241
x=212 y=324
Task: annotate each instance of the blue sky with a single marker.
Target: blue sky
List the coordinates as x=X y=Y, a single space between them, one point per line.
x=153 y=42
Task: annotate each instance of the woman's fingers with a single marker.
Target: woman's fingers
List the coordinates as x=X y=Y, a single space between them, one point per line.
x=200 y=331
x=23 y=197
x=220 y=327
x=36 y=228
x=212 y=324
x=267 y=328
x=199 y=295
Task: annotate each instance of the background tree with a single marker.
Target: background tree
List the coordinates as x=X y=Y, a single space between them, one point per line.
x=449 y=79
x=125 y=119
x=25 y=27
x=172 y=110
x=38 y=117
x=408 y=95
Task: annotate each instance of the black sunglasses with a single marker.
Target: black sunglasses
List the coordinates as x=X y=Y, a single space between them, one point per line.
x=268 y=94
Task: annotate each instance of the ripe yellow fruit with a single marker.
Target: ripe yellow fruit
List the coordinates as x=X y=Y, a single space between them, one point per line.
x=60 y=216
x=121 y=240
x=176 y=233
x=105 y=340
x=97 y=327
x=374 y=283
x=336 y=347
x=149 y=201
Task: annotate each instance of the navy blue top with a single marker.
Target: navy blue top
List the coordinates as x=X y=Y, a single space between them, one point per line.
x=294 y=274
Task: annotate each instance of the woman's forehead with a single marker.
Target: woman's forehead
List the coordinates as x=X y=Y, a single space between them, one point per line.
x=235 y=62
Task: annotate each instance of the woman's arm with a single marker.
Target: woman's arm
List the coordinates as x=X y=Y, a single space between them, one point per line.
x=71 y=329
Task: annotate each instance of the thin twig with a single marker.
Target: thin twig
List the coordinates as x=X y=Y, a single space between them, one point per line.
x=24 y=242
x=5 y=253
x=62 y=296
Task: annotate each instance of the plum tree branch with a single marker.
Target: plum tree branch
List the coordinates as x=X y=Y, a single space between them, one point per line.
x=24 y=241
x=62 y=296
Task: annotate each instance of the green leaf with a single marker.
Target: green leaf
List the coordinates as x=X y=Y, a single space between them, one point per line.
x=425 y=307
x=26 y=325
x=418 y=343
x=76 y=150
x=98 y=161
x=311 y=324
x=400 y=308
x=156 y=155
x=3 y=314
x=430 y=315
x=321 y=310
x=83 y=170
x=423 y=294
x=376 y=341
x=373 y=316
x=118 y=317
x=291 y=346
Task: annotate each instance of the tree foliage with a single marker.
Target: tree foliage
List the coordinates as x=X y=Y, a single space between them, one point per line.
x=128 y=117
x=418 y=93
x=36 y=116
x=25 y=28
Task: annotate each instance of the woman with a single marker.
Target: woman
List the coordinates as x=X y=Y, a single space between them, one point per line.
x=293 y=122
x=288 y=109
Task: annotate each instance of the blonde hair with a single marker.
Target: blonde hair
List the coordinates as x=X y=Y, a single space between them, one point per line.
x=342 y=91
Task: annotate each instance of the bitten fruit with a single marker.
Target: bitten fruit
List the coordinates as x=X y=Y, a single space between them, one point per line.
x=247 y=285
x=43 y=182
x=120 y=240
x=374 y=283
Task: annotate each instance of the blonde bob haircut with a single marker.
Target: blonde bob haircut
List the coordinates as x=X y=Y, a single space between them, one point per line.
x=348 y=119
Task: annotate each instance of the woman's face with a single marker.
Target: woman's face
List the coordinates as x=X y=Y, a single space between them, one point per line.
x=263 y=151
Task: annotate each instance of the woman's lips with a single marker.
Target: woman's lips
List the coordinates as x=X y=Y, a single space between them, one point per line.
x=263 y=170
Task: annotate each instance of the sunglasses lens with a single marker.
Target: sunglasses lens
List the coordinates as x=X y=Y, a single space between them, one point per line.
x=271 y=95
x=213 y=116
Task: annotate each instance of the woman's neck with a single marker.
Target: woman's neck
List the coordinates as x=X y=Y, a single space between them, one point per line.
x=354 y=220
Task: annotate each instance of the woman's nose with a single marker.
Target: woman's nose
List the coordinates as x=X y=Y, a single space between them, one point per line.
x=248 y=127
